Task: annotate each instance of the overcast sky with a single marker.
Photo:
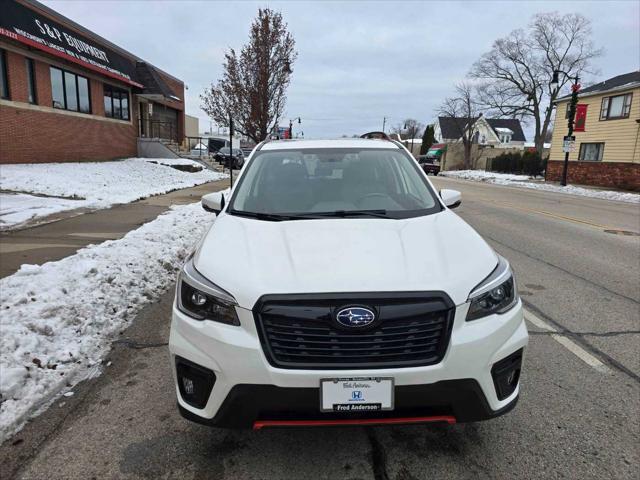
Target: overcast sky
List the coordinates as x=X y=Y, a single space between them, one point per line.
x=358 y=61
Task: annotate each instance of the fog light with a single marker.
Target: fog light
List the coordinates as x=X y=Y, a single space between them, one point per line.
x=198 y=299
x=194 y=382
x=506 y=374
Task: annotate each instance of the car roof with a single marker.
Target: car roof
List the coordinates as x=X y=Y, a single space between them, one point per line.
x=299 y=144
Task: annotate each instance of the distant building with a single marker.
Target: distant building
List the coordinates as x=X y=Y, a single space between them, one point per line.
x=492 y=132
x=191 y=126
x=607 y=135
x=413 y=145
x=68 y=94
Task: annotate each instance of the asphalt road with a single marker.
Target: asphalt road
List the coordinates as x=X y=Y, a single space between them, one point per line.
x=580 y=398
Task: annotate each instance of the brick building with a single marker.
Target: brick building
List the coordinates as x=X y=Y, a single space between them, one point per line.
x=607 y=135
x=67 y=94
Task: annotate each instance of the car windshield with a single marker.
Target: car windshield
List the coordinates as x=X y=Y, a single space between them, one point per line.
x=319 y=183
x=225 y=150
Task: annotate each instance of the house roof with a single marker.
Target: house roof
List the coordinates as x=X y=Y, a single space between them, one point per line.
x=451 y=127
x=620 y=82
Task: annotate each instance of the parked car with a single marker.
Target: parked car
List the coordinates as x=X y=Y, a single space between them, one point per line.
x=224 y=157
x=430 y=165
x=354 y=295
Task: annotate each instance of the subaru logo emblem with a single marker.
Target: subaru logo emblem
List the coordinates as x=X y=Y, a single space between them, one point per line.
x=355 y=317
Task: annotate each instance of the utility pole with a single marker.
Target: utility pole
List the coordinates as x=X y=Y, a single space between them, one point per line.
x=231 y=150
x=572 y=115
x=575 y=88
x=384 y=123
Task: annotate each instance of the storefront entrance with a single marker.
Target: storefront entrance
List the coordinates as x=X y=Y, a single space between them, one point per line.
x=157 y=121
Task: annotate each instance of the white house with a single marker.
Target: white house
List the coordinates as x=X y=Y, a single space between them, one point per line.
x=494 y=132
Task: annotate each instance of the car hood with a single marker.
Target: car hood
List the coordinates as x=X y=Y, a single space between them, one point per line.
x=250 y=258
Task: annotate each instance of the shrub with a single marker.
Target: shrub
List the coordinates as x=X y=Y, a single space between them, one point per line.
x=525 y=163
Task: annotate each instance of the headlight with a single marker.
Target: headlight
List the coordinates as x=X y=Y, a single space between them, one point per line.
x=200 y=299
x=496 y=294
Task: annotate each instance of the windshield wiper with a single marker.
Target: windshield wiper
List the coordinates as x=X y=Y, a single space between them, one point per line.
x=271 y=217
x=349 y=213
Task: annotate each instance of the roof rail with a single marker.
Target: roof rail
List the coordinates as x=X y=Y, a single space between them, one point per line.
x=262 y=143
x=376 y=135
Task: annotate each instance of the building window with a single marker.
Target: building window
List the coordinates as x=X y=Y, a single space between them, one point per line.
x=84 y=102
x=4 y=81
x=31 y=80
x=116 y=102
x=70 y=91
x=591 y=152
x=616 y=107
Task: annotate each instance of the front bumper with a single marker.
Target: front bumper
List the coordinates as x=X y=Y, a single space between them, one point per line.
x=434 y=169
x=248 y=389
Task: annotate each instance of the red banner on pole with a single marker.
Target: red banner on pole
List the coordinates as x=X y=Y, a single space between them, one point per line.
x=581 y=118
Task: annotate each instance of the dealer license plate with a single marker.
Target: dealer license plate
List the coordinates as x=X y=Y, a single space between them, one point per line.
x=368 y=394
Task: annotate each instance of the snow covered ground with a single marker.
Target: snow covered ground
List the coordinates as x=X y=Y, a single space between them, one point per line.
x=92 y=185
x=58 y=319
x=528 y=182
x=20 y=208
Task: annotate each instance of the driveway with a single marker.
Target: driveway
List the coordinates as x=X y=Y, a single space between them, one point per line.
x=580 y=397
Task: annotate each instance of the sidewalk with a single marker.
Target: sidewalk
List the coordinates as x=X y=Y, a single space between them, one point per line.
x=61 y=238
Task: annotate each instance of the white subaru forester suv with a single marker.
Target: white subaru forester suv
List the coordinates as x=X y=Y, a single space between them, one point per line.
x=336 y=286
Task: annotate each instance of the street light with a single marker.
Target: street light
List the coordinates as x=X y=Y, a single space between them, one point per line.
x=291 y=125
x=553 y=86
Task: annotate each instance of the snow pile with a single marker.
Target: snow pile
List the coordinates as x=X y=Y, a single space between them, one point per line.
x=527 y=182
x=58 y=319
x=482 y=176
x=92 y=185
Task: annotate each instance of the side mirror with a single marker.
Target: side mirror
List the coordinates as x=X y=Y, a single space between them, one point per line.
x=451 y=198
x=213 y=202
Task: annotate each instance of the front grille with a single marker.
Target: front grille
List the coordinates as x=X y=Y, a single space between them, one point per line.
x=300 y=331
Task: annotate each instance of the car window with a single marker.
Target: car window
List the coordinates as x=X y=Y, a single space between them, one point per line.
x=334 y=180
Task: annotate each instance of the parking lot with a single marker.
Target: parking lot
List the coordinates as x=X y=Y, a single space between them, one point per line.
x=577 y=264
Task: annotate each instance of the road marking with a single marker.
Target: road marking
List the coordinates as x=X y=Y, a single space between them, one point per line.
x=538 y=322
x=551 y=214
x=582 y=354
x=567 y=343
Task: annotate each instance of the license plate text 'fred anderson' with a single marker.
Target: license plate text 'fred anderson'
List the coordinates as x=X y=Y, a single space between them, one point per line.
x=350 y=407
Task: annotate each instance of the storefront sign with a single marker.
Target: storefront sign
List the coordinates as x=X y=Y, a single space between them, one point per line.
x=20 y=23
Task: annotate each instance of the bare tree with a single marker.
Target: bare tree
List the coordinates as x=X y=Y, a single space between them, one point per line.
x=410 y=128
x=517 y=71
x=253 y=86
x=407 y=131
x=463 y=110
